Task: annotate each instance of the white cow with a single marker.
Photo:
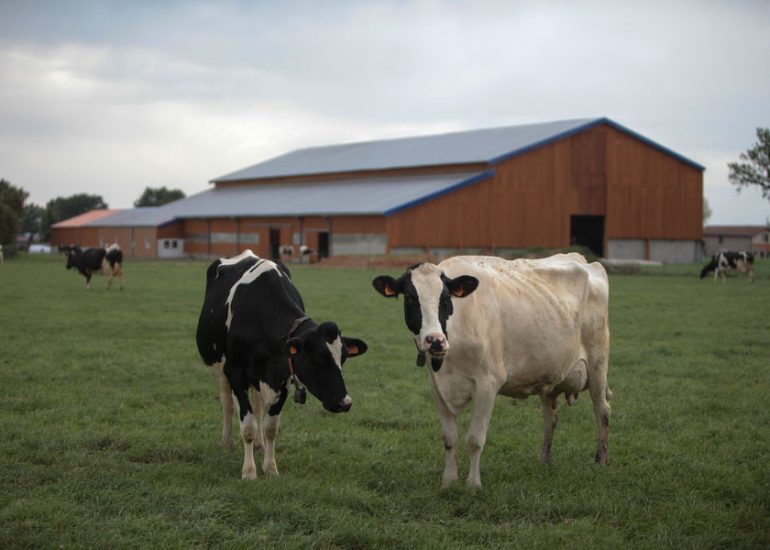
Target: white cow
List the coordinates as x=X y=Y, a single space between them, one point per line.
x=516 y=328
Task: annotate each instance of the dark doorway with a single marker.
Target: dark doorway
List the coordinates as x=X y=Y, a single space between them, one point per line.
x=275 y=243
x=323 y=244
x=588 y=231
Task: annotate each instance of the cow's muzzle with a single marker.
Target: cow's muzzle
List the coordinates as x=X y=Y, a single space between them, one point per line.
x=436 y=345
x=342 y=406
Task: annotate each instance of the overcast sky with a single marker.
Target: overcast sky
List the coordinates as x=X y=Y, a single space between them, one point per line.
x=109 y=97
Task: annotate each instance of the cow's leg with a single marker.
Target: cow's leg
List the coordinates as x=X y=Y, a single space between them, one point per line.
x=481 y=412
x=550 y=419
x=110 y=275
x=120 y=275
x=600 y=396
x=249 y=425
x=226 y=400
x=448 y=420
x=271 y=423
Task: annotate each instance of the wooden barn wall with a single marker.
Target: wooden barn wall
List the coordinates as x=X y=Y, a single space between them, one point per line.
x=64 y=235
x=642 y=192
x=527 y=203
x=650 y=194
x=171 y=231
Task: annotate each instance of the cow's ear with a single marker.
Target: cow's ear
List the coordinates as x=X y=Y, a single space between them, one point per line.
x=293 y=347
x=461 y=286
x=354 y=346
x=387 y=286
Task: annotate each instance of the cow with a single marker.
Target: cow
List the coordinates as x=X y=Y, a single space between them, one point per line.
x=725 y=260
x=517 y=328
x=286 y=250
x=255 y=335
x=96 y=260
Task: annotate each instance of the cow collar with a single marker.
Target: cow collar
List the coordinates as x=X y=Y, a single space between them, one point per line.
x=300 y=394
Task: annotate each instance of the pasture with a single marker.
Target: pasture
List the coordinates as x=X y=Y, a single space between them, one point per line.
x=110 y=426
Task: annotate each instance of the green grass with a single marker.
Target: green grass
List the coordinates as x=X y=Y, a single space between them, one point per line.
x=109 y=427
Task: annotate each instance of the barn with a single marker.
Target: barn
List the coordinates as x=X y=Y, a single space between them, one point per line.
x=589 y=182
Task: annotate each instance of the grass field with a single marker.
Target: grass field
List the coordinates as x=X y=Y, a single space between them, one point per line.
x=110 y=424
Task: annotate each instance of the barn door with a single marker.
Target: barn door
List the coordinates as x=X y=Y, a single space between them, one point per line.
x=275 y=243
x=323 y=244
x=588 y=231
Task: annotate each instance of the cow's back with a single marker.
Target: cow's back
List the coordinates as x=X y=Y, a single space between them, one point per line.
x=526 y=316
x=237 y=290
x=211 y=335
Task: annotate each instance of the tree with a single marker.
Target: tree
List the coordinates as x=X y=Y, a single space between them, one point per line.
x=755 y=170
x=11 y=207
x=33 y=219
x=706 y=211
x=158 y=196
x=63 y=208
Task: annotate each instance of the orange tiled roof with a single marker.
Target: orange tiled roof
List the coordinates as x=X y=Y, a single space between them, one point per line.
x=89 y=216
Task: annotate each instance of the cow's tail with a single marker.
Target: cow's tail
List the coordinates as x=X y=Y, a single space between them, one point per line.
x=708 y=269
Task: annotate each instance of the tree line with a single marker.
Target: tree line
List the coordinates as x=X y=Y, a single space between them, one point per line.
x=16 y=216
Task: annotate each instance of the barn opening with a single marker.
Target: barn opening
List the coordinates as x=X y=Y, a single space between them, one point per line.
x=275 y=243
x=323 y=244
x=588 y=231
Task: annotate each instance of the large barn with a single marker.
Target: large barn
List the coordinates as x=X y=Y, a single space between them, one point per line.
x=590 y=182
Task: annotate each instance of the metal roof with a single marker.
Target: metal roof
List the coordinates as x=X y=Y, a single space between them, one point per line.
x=491 y=145
x=146 y=216
x=380 y=196
x=85 y=218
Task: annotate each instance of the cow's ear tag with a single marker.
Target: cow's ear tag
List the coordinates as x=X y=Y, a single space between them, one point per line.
x=300 y=395
x=293 y=350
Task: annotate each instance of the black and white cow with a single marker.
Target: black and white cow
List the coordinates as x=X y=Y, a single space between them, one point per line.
x=517 y=328
x=254 y=333
x=725 y=260
x=96 y=260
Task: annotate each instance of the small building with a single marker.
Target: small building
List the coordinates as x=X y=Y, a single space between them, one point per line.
x=589 y=182
x=751 y=238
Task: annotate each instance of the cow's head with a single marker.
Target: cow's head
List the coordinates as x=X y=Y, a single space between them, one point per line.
x=73 y=253
x=428 y=297
x=318 y=357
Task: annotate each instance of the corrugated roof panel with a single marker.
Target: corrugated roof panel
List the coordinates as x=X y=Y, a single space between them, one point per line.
x=491 y=145
x=147 y=216
x=344 y=197
x=453 y=148
x=86 y=218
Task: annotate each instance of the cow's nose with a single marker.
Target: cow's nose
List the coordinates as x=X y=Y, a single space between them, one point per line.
x=345 y=404
x=435 y=342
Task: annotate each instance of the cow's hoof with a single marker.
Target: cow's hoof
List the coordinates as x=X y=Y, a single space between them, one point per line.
x=226 y=443
x=448 y=481
x=249 y=474
x=474 y=483
x=270 y=469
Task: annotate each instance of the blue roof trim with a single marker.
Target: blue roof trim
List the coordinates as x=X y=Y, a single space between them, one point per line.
x=651 y=143
x=587 y=126
x=459 y=185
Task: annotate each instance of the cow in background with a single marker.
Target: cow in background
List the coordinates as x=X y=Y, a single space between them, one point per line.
x=96 y=260
x=517 y=328
x=254 y=333
x=726 y=260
